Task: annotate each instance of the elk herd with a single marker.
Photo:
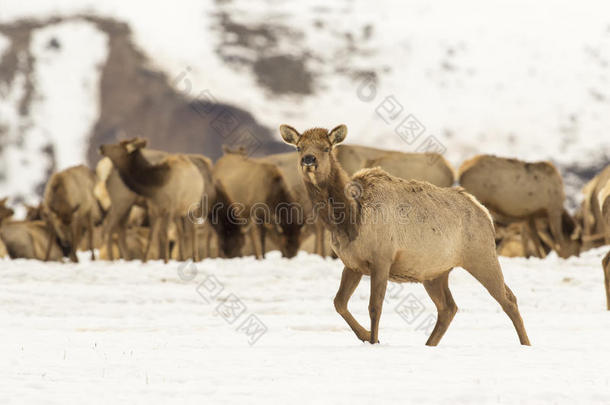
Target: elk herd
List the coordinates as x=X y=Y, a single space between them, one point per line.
x=390 y=215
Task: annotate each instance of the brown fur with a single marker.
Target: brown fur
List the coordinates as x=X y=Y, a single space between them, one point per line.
x=519 y=191
x=393 y=229
x=592 y=221
x=287 y=164
x=70 y=208
x=29 y=240
x=172 y=186
x=254 y=183
x=430 y=167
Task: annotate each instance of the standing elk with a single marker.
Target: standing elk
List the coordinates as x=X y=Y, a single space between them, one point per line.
x=424 y=232
x=172 y=186
x=514 y=190
x=70 y=209
x=285 y=162
x=263 y=200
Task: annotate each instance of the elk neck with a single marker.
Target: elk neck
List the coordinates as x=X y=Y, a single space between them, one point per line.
x=140 y=175
x=339 y=211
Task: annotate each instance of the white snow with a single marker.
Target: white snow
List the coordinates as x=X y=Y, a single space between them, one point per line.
x=132 y=332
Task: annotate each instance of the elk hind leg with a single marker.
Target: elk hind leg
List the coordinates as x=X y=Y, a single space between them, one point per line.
x=438 y=290
x=490 y=275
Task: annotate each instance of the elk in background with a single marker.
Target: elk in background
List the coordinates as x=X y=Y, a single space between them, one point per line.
x=514 y=190
x=430 y=167
x=263 y=200
x=285 y=162
x=399 y=230
x=592 y=221
x=173 y=186
x=70 y=209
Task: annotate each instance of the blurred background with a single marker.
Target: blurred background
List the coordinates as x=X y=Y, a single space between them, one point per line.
x=515 y=78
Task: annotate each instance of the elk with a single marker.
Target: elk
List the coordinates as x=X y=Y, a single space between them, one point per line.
x=514 y=190
x=285 y=162
x=119 y=200
x=430 y=167
x=355 y=157
x=398 y=230
x=603 y=199
x=30 y=240
x=259 y=191
x=70 y=208
x=592 y=221
x=172 y=186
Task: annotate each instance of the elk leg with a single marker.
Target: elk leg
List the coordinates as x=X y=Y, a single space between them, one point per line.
x=181 y=238
x=195 y=241
x=438 y=290
x=490 y=275
x=556 y=231
x=75 y=230
x=51 y=233
x=606 y=266
x=379 y=283
x=349 y=281
x=255 y=241
x=532 y=233
x=262 y=233
x=152 y=236
x=164 y=233
x=91 y=230
x=123 y=249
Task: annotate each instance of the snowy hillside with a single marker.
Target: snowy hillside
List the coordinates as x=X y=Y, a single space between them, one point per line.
x=127 y=332
x=512 y=78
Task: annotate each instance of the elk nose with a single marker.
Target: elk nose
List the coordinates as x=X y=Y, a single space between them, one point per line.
x=308 y=160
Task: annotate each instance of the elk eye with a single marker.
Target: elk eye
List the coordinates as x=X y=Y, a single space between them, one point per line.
x=299 y=149
x=326 y=149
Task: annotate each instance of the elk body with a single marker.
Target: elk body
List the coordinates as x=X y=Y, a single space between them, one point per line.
x=520 y=191
x=70 y=209
x=399 y=230
x=173 y=186
x=430 y=167
x=261 y=195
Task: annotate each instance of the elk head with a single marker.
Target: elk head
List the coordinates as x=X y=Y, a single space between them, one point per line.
x=314 y=147
x=119 y=152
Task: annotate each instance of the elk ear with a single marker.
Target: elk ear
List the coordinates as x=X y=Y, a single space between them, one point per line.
x=289 y=134
x=337 y=134
x=3 y=201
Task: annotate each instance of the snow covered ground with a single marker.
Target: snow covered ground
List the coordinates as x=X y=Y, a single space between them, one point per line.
x=134 y=333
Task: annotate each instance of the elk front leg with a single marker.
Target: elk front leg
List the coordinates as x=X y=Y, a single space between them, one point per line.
x=76 y=232
x=91 y=230
x=349 y=281
x=152 y=236
x=379 y=283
